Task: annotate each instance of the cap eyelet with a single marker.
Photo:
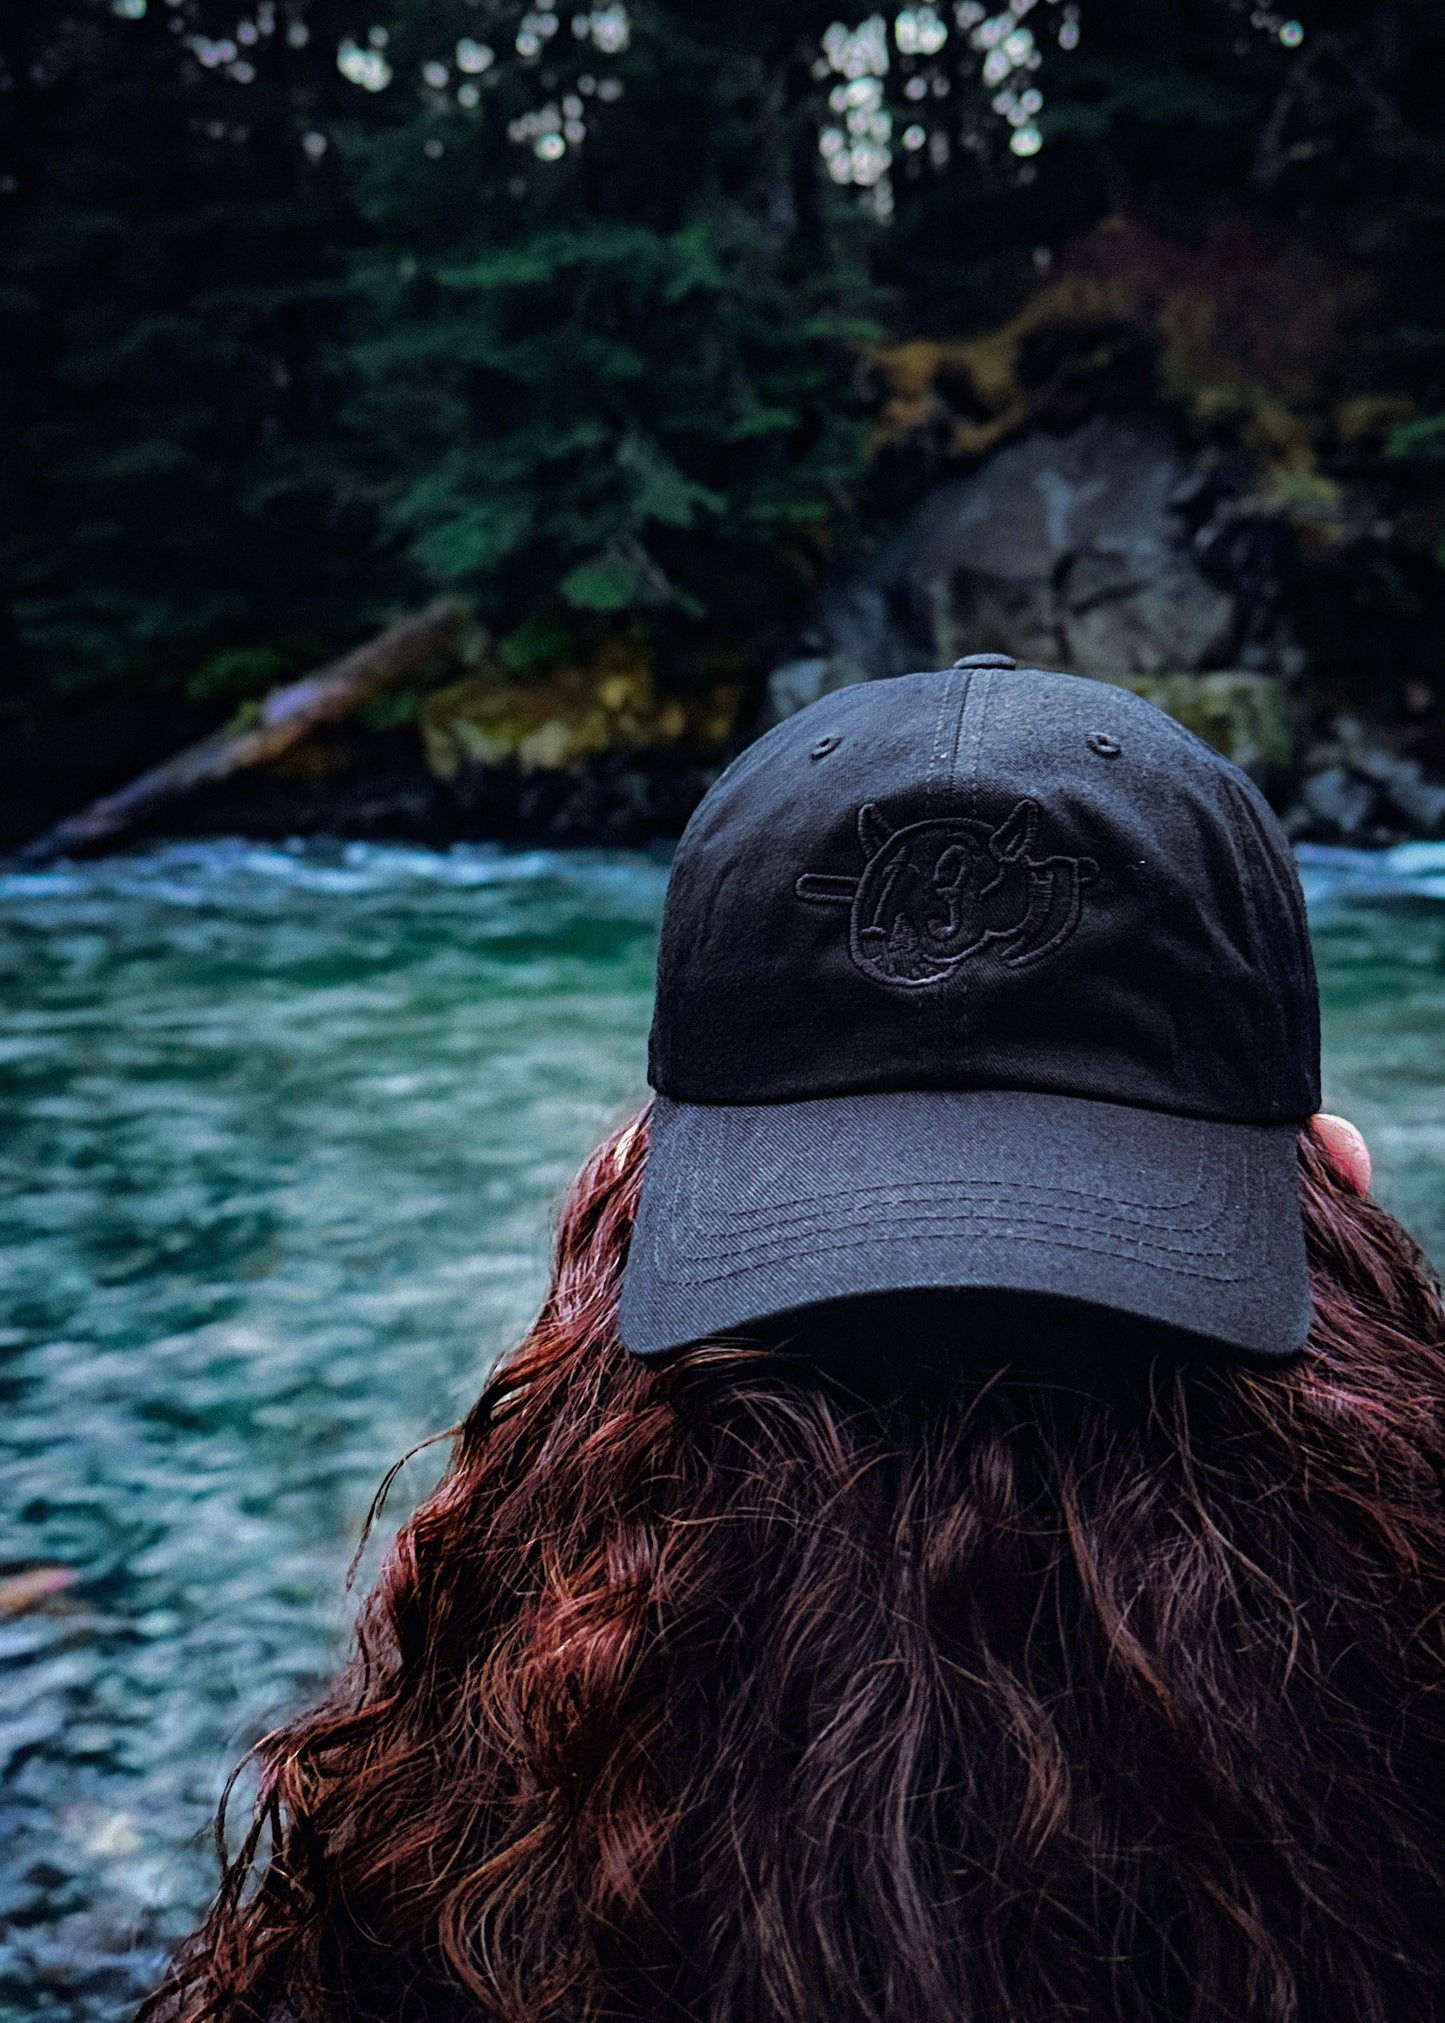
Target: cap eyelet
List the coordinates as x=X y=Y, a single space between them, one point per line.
x=1103 y=744
x=825 y=745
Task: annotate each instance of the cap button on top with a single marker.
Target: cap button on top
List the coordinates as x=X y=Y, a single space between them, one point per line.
x=986 y=660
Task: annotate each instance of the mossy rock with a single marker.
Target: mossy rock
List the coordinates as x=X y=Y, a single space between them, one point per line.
x=1247 y=717
x=575 y=713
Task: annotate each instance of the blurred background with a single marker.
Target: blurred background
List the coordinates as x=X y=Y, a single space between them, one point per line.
x=439 y=434
x=685 y=344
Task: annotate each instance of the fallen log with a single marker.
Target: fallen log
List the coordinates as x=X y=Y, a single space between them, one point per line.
x=411 y=648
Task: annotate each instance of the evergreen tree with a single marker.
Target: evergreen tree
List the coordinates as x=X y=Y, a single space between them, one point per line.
x=603 y=337
x=172 y=268
x=306 y=313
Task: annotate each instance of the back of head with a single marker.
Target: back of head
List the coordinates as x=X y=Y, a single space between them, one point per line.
x=948 y=1679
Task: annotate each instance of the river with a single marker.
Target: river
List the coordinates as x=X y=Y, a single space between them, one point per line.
x=280 y=1130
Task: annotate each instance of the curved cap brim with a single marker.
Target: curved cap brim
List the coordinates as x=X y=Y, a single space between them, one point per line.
x=749 y=1211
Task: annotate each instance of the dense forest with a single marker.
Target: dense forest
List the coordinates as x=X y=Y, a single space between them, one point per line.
x=626 y=327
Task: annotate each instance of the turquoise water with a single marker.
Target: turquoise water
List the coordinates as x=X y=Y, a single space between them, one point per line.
x=280 y=1131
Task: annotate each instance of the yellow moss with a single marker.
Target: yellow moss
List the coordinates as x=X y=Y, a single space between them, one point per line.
x=908 y=371
x=561 y=743
x=976 y=439
x=610 y=704
x=911 y=367
x=1255 y=330
x=622 y=693
x=988 y=366
x=991 y=366
x=712 y=718
x=1279 y=437
x=1368 y=414
x=1305 y=495
x=671 y=721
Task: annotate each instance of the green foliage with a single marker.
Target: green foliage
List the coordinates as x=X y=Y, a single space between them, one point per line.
x=238 y=671
x=288 y=349
x=540 y=642
x=169 y=274
x=1420 y=441
x=1102 y=91
x=588 y=388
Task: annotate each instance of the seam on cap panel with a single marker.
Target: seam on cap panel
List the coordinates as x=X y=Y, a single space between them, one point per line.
x=936 y=778
x=1240 y=835
x=968 y=738
x=1283 y=881
x=953 y=1008
x=969 y=678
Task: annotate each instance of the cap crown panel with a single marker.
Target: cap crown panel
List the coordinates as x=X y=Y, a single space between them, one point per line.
x=987 y=879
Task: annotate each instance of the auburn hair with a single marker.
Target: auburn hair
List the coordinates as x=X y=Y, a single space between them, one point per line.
x=751 y=1689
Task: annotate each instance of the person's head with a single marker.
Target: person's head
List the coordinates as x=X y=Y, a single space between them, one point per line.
x=964 y=1536
x=906 y=1666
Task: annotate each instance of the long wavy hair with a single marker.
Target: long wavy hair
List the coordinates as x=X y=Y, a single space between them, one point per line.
x=936 y=1679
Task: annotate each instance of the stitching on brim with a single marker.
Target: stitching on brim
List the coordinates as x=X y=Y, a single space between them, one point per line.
x=1172 y=1263
x=1115 y=1242
x=676 y=1253
x=984 y=1210
x=851 y=1219
x=1001 y=1191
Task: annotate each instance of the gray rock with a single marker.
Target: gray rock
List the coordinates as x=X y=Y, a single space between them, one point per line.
x=1410 y=793
x=854 y=622
x=796 y=683
x=1118 y=619
x=1339 y=800
x=1074 y=551
x=1068 y=550
x=1418 y=800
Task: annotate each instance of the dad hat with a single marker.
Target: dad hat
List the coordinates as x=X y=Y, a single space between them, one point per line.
x=983 y=979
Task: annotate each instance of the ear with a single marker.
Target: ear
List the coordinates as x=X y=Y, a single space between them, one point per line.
x=873 y=830
x=1014 y=837
x=1345 y=1148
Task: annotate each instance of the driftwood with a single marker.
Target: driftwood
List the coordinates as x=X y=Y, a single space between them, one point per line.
x=406 y=650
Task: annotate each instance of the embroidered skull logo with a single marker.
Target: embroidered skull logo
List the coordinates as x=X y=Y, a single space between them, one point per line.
x=933 y=894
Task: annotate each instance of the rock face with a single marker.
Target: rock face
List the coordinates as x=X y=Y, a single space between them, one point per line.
x=1358 y=791
x=1112 y=550
x=1066 y=551
x=1115 y=549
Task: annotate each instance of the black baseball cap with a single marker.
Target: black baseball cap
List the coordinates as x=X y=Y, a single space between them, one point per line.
x=987 y=979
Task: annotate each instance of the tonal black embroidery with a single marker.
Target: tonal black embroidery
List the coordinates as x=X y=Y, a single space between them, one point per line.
x=935 y=893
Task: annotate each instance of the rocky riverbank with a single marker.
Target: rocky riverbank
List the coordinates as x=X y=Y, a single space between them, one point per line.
x=1122 y=550
x=1118 y=547
x=1354 y=789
